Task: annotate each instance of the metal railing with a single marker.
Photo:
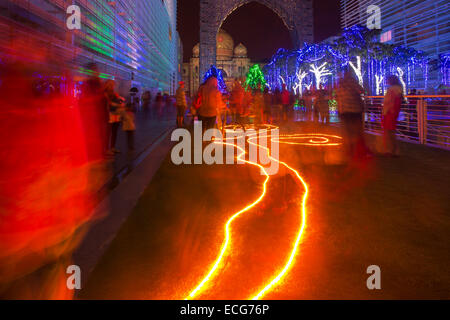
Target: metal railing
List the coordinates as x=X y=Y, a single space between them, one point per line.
x=423 y=119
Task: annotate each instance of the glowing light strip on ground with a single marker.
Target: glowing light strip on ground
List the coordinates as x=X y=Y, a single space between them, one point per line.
x=227 y=225
x=313 y=139
x=294 y=251
x=323 y=140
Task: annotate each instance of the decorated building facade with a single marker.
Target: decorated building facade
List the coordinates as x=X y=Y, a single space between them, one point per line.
x=133 y=42
x=419 y=24
x=231 y=60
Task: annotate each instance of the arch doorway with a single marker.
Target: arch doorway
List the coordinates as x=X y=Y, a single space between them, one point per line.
x=297 y=15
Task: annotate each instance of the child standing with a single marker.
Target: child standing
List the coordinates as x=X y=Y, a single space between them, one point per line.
x=115 y=107
x=128 y=121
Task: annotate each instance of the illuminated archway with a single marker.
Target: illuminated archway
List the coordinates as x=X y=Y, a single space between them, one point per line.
x=297 y=15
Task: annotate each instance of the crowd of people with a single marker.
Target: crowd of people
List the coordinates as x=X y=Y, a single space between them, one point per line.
x=105 y=111
x=244 y=105
x=252 y=105
x=241 y=105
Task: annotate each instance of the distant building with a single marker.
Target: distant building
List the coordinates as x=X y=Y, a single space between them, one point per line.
x=233 y=62
x=133 y=42
x=421 y=24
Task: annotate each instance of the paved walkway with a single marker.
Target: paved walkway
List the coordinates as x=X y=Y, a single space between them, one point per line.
x=115 y=187
x=149 y=129
x=393 y=213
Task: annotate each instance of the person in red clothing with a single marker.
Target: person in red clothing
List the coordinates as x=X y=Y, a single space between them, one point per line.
x=236 y=101
x=391 y=110
x=245 y=109
x=94 y=115
x=285 y=101
x=49 y=177
x=267 y=109
x=211 y=103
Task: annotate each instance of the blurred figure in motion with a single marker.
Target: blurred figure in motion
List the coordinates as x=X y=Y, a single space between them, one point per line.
x=246 y=110
x=128 y=118
x=211 y=102
x=267 y=108
x=46 y=187
x=276 y=104
x=222 y=114
x=391 y=110
x=308 y=98
x=258 y=102
x=285 y=102
x=351 y=108
x=240 y=108
x=159 y=104
x=146 y=102
x=322 y=97
x=167 y=104
x=181 y=104
x=115 y=105
x=316 y=111
x=94 y=115
x=197 y=102
x=236 y=100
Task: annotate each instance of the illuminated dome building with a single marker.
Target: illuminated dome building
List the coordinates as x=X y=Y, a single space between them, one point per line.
x=233 y=62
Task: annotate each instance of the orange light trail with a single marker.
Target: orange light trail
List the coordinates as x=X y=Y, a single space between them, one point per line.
x=294 y=251
x=314 y=140
x=227 y=225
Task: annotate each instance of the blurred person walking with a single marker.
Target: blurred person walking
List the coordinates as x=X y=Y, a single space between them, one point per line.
x=146 y=102
x=351 y=108
x=94 y=115
x=159 y=103
x=285 y=102
x=315 y=111
x=167 y=104
x=128 y=118
x=115 y=105
x=391 y=110
x=236 y=100
x=181 y=104
x=211 y=103
x=277 y=104
x=308 y=98
x=48 y=183
x=222 y=115
x=322 y=98
x=267 y=108
x=258 y=102
x=246 y=108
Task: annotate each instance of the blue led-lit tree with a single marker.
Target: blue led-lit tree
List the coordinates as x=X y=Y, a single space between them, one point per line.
x=217 y=73
x=445 y=68
x=357 y=49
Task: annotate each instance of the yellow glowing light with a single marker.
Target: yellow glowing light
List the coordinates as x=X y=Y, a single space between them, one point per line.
x=311 y=140
x=227 y=225
x=294 y=251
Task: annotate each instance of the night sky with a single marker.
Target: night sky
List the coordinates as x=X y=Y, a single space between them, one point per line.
x=263 y=34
